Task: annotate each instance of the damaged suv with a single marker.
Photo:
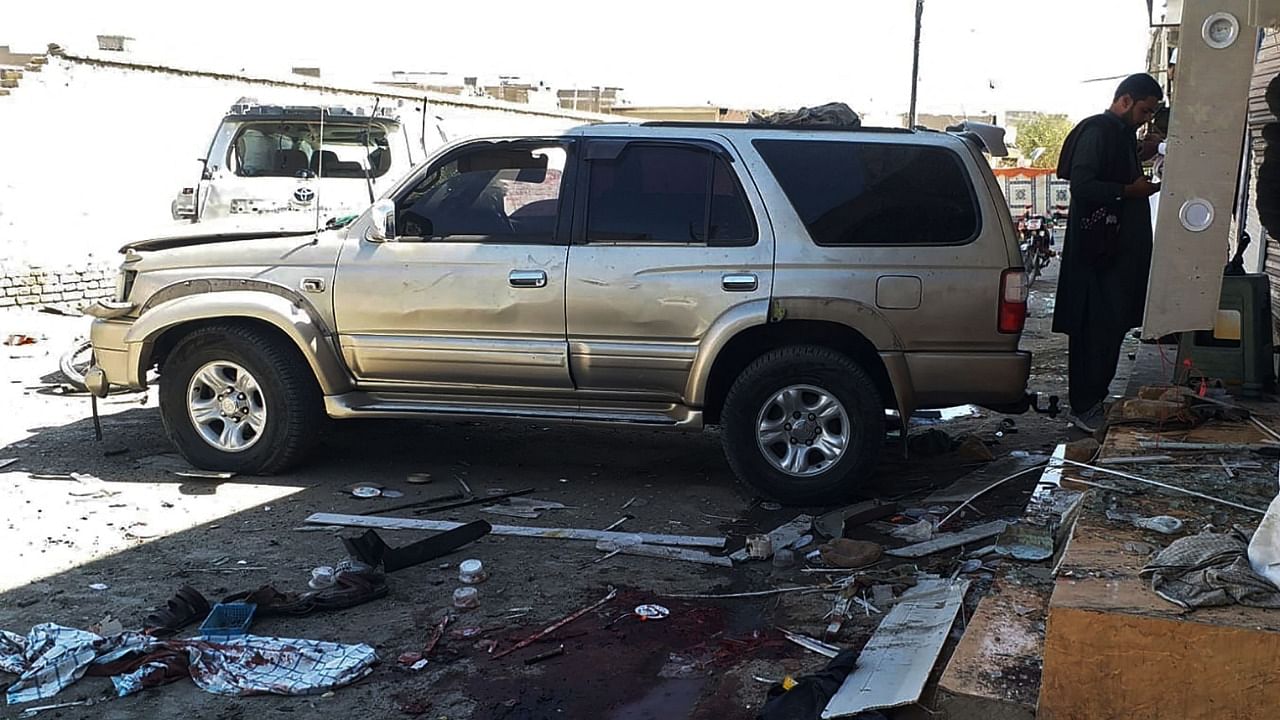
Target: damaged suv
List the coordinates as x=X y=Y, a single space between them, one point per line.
x=790 y=285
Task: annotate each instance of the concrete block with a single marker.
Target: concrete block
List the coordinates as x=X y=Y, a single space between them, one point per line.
x=51 y=297
x=67 y=278
x=9 y=83
x=10 y=74
x=8 y=301
x=28 y=299
x=3 y=92
x=73 y=295
x=6 y=282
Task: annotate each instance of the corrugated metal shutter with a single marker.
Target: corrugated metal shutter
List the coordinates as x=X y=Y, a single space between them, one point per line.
x=1264 y=71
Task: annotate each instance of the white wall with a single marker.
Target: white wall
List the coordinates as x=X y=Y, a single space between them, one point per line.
x=92 y=155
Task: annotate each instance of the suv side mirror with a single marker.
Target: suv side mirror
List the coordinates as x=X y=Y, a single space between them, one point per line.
x=383 y=214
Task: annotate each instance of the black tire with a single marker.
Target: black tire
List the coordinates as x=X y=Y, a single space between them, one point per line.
x=837 y=375
x=295 y=410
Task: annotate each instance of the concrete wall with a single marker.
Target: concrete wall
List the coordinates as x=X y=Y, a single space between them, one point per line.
x=93 y=150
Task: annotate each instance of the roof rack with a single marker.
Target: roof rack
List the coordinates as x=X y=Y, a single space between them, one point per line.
x=764 y=126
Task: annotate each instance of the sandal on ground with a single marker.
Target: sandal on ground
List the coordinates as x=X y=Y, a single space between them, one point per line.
x=185 y=607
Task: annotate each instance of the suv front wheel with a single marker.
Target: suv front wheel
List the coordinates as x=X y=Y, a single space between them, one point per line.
x=804 y=424
x=237 y=398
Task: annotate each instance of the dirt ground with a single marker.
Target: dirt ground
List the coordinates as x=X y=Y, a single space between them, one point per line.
x=143 y=531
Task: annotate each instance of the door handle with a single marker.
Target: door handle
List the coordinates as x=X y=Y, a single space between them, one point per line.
x=527 y=278
x=740 y=282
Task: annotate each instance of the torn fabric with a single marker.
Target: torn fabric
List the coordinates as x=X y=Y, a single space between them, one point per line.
x=1210 y=569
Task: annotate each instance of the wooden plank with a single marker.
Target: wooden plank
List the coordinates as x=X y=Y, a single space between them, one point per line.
x=896 y=662
x=781 y=536
x=946 y=541
x=388 y=523
x=995 y=669
x=1114 y=649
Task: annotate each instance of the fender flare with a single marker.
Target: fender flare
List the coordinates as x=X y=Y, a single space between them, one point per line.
x=860 y=317
x=306 y=332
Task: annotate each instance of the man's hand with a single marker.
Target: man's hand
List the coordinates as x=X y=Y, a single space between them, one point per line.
x=1141 y=188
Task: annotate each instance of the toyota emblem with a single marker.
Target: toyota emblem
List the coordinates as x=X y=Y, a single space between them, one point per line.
x=304 y=194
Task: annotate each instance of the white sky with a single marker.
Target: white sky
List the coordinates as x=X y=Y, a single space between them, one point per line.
x=775 y=54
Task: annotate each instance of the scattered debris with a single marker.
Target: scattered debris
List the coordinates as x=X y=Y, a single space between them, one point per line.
x=33 y=711
x=651 y=612
x=471 y=572
x=946 y=541
x=466 y=598
x=916 y=532
x=205 y=474
x=1166 y=486
x=371 y=550
x=527 y=508
x=838 y=523
x=99 y=586
x=628 y=503
x=770 y=506
x=988 y=489
x=1165 y=524
x=557 y=625
x=418 y=478
x=846 y=553
x=781 y=537
x=812 y=644
x=554 y=652
x=6 y=462
x=757 y=593
x=615 y=524
x=365 y=491
x=18 y=339
x=1024 y=541
x=1083 y=450
x=759 y=546
x=1206 y=447
x=1136 y=460
x=662 y=551
x=391 y=523
x=896 y=662
x=1139 y=548
x=391 y=493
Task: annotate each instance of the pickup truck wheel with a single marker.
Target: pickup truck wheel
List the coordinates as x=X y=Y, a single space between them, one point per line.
x=236 y=398
x=803 y=424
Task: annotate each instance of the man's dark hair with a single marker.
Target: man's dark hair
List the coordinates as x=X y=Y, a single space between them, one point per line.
x=1140 y=87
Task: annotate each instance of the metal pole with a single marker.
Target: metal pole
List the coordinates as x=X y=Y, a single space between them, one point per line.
x=915 y=66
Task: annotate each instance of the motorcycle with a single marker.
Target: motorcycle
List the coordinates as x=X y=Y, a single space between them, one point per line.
x=1037 y=244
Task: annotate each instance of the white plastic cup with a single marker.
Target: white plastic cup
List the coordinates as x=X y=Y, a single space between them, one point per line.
x=471 y=572
x=466 y=598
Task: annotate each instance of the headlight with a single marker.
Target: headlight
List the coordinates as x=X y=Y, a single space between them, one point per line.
x=124 y=284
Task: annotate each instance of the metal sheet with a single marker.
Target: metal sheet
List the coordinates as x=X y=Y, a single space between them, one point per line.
x=946 y=541
x=1212 y=91
x=390 y=523
x=896 y=662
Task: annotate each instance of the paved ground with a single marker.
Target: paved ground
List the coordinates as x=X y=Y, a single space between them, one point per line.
x=126 y=521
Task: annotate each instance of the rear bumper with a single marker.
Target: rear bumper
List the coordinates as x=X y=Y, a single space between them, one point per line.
x=924 y=380
x=117 y=359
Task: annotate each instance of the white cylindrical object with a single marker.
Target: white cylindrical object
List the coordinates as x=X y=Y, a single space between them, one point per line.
x=466 y=598
x=471 y=572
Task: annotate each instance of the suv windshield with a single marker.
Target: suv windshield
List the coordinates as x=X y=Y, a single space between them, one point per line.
x=293 y=148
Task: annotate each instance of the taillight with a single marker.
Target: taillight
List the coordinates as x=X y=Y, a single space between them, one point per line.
x=1013 y=301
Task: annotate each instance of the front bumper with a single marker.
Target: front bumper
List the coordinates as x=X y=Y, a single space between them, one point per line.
x=115 y=362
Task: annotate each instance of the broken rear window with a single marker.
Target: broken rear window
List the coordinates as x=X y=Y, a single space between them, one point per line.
x=296 y=149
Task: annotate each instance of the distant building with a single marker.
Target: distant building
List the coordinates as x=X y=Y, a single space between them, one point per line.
x=594 y=99
x=941 y=122
x=683 y=113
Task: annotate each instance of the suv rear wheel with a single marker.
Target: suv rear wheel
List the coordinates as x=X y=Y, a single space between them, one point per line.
x=803 y=424
x=237 y=398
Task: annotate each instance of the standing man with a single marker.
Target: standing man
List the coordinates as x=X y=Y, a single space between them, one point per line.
x=1102 y=286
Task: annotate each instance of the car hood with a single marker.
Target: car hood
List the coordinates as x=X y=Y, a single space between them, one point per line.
x=280 y=225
